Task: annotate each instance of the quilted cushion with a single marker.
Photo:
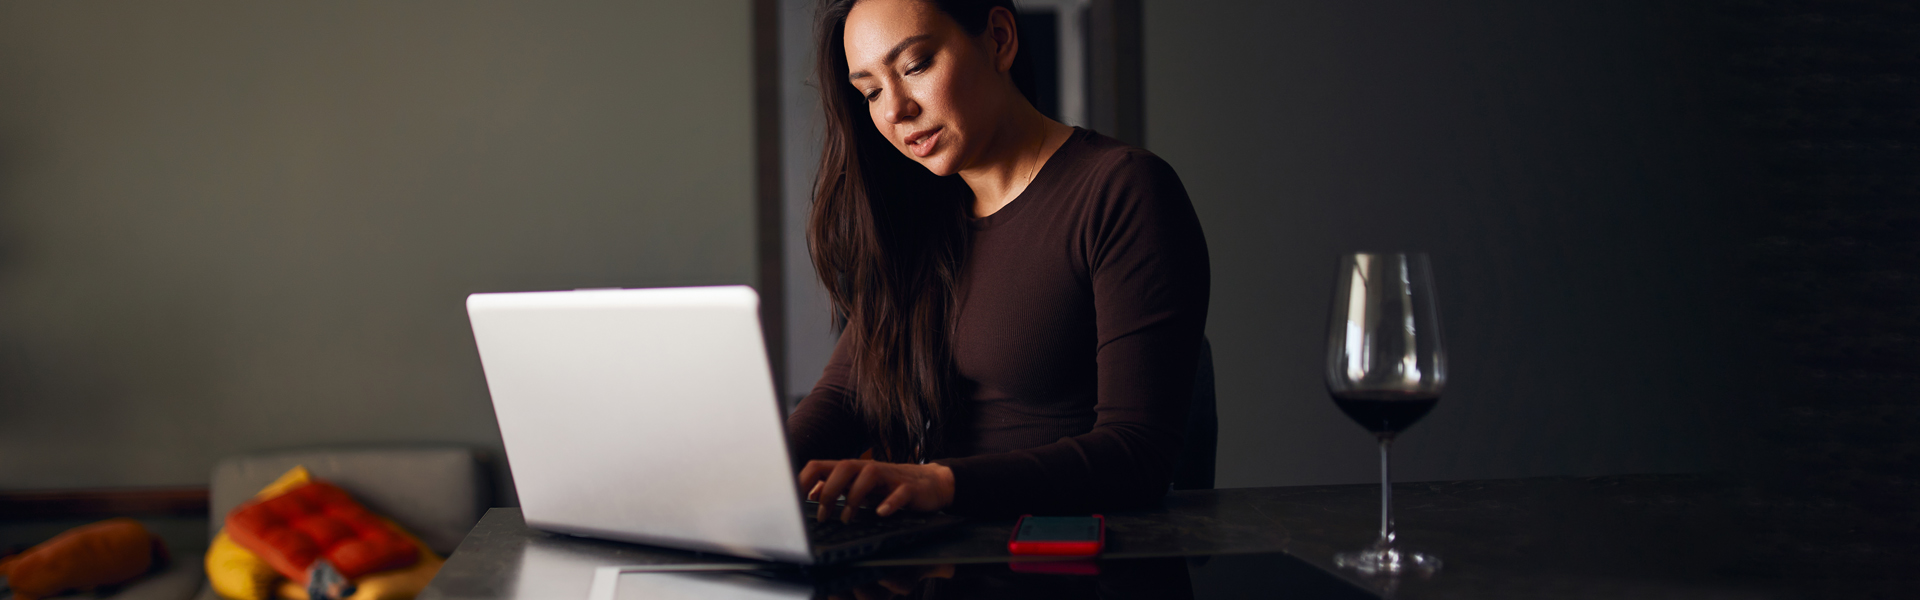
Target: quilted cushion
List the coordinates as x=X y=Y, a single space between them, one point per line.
x=315 y=521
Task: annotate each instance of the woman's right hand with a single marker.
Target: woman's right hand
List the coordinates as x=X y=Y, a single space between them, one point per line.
x=923 y=488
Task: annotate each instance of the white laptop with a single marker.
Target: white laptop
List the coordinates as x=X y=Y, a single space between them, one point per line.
x=650 y=416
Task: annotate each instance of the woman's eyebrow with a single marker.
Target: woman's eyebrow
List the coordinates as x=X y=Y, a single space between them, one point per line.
x=892 y=54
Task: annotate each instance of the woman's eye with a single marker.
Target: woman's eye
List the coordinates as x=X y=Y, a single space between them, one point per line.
x=873 y=95
x=918 y=67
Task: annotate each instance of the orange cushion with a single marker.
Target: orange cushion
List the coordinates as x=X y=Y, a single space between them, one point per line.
x=83 y=558
x=315 y=521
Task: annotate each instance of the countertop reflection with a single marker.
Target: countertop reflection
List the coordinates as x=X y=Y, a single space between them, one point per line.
x=1159 y=578
x=1163 y=578
x=1600 y=537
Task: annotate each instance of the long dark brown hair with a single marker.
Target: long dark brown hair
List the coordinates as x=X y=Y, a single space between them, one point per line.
x=888 y=239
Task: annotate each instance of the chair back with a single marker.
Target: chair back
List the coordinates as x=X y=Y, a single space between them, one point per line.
x=1193 y=470
x=436 y=492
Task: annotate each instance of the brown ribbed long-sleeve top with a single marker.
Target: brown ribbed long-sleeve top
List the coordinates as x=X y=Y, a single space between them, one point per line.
x=1078 y=328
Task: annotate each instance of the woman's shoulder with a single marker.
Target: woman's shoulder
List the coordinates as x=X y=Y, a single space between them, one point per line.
x=1133 y=205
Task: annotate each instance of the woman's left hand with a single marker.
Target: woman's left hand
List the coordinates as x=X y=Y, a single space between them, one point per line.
x=924 y=488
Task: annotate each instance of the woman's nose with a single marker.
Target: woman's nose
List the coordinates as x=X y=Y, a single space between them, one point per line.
x=900 y=107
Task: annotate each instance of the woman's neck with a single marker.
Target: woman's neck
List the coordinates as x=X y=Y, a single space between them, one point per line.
x=1018 y=152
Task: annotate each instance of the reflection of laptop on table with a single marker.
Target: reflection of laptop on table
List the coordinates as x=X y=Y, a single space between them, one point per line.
x=649 y=416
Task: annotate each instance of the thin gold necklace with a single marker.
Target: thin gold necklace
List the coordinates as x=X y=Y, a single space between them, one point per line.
x=1034 y=169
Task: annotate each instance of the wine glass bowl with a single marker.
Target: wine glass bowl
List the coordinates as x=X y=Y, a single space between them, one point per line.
x=1385 y=338
x=1386 y=369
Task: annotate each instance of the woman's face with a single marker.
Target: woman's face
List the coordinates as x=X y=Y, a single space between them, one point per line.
x=931 y=89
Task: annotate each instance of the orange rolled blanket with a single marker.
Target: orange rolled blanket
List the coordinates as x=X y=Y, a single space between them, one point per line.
x=83 y=558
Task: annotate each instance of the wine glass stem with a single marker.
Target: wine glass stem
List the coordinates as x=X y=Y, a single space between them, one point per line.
x=1386 y=496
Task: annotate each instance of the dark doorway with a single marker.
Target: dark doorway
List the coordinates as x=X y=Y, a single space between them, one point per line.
x=1040 y=39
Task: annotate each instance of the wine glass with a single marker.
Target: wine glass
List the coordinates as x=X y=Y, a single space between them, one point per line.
x=1385 y=369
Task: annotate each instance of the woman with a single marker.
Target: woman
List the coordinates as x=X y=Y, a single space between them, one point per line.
x=1023 y=301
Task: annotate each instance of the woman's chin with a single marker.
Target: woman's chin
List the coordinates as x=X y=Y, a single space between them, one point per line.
x=938 y=165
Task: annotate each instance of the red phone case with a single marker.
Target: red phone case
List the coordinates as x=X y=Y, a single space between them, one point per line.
x=1033 y=548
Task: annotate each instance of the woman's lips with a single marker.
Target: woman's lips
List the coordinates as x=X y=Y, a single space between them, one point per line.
x=922 y=144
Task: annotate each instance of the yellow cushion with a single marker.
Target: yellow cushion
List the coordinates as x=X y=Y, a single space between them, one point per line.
x=294 y=477
x=237 y=573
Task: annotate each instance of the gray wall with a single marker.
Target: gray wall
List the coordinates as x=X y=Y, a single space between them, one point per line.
x=234 y=225
x=1556 y=160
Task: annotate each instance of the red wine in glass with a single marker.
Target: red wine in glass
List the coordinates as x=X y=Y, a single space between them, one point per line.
x=1385 y=412
x=1386 y=370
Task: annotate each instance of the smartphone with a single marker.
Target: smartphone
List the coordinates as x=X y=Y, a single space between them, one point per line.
x=1058 y=536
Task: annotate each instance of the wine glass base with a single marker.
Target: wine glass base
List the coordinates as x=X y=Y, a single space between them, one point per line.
x=1375 y=561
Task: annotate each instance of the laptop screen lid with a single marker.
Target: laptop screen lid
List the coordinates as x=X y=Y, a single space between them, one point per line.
x=643 y=415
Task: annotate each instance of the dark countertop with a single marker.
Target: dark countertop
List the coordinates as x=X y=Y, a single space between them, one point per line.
x=1603 y=537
